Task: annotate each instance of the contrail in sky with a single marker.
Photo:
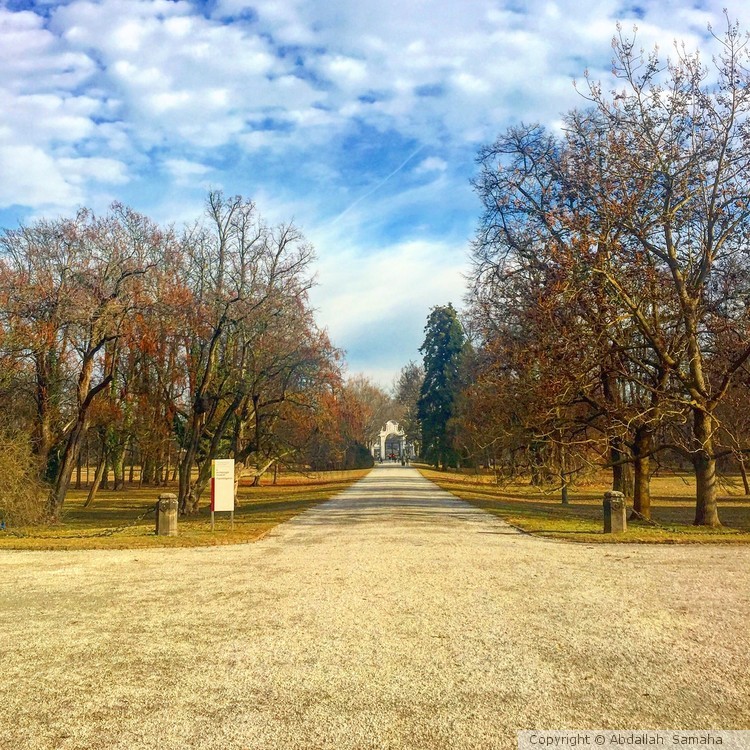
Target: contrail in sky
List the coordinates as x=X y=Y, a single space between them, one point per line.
x=378 y=186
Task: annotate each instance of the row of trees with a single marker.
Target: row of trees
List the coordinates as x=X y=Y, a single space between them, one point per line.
x=609 y=303
x=169 y=348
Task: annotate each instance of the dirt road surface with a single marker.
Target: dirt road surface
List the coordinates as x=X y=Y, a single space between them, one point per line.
x=393 y=616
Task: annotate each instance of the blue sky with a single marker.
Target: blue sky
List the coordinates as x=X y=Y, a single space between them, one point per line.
x=358 y=120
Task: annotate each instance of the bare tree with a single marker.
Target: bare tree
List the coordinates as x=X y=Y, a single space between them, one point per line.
x=69 y=288
x=241 y=274
x=678 y=132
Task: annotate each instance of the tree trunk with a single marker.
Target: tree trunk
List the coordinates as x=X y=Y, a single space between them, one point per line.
x=622 y=471
x=186 y=497
x=159 y=477
x=564 y=475
x=118 y=467
x=537 y=466
x=101 y=466
x=105 y=477
x=65 y=472
x=704 y=464
x=168 y=469
x=743 y=471
x=183 y=492
x=196 y=489
x=77 y=432
x=642 y=447
x=43 y=439
x=200 y=484
x=131 y=467
x=147 y=469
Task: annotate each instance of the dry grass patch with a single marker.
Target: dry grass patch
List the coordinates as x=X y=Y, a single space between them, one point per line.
x=260 y=509
x=673 y=507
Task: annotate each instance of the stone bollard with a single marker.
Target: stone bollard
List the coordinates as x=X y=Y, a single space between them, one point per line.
x=615 y=521
x=166 y=515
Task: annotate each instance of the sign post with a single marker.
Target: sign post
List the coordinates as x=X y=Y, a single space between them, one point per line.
x=222 y=487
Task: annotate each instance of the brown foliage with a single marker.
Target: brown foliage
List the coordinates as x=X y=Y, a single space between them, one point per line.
x=22 y=500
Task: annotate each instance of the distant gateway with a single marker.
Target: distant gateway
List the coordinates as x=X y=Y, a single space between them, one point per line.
x=391 y=443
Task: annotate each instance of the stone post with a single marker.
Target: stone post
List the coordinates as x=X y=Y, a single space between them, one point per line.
x=166 y=515
x=615 y=521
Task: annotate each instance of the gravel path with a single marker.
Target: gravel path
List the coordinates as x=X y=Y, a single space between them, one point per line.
x=393 y=616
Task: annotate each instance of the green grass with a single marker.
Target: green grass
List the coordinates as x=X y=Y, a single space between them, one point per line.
x=259 y=510
x=673 y=506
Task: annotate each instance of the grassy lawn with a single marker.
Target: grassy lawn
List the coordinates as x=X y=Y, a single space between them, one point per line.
x=260 y=509
x=530 y=510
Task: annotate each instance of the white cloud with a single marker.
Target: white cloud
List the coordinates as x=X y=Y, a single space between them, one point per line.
x=471 y=84
x=346 y=71
x=432 y=164
x=32 y=178
x=390 y=282
x=309 y=106
x=184 y=170
x=375 y=300
x=51 y=117
x=179 y=76
x=97 y=169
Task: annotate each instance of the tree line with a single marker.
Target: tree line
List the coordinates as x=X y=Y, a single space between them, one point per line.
x=608 y=311
x=143 y=345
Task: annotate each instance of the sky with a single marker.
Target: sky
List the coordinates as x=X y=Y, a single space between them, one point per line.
x=358 y=120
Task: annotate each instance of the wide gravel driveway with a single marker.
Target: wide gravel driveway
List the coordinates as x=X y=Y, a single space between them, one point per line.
x=393 y=616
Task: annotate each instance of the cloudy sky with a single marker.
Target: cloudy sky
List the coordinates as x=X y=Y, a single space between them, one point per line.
x=358 y=119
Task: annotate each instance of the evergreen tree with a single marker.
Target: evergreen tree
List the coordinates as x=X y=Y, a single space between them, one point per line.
x=442 y=349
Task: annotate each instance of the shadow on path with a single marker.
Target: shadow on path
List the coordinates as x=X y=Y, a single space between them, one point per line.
x=393 y=494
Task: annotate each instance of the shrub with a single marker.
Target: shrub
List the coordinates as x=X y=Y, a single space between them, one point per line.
x=21 y=493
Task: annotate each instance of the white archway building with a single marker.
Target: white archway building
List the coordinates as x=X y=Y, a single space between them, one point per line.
x=392 y=433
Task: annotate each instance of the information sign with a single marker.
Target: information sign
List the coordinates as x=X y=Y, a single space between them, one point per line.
x=222 y=487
